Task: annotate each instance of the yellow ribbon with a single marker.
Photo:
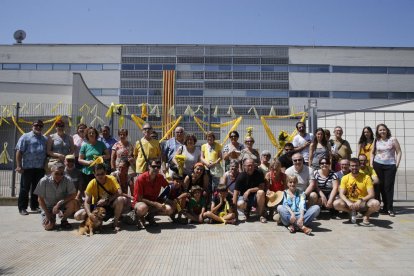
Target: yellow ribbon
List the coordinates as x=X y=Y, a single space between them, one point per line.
x=167 y=134
x=98 y=160
x=53 y=125
x=234 y=122
x=180 y=161
x=18 y=127
x=84 y=108
x=144 y=110
x=4 y=155
x=53 y=110
x=137 y=120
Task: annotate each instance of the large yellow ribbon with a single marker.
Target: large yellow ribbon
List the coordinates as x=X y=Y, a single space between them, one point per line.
x=234 y=122
x=97 y=160
x=167 y=134
x=4 y=155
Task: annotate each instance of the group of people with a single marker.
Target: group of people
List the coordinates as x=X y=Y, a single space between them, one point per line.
x=71 y=176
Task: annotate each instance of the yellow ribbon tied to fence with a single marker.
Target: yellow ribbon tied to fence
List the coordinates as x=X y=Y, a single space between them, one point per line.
x=4 y=155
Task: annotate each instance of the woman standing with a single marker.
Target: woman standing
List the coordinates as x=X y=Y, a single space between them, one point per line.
x=78 y=140
x=386 y=159
x=365 y=143
x=249 y=152
x=191 y=152
x=318 y=148
x=232 y=150
x=59 y=144
x=123 y=149
x=211 y=158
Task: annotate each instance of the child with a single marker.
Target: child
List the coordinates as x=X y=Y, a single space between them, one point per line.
x=222 y=209
x=196 y=205
x=175 y=196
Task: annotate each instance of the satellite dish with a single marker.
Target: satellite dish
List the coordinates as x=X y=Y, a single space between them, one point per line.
x=19 y=36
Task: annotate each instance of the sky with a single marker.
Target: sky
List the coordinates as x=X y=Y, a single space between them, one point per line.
x=388 y=23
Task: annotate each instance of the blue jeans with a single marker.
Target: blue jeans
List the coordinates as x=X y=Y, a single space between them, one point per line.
x=309 y=215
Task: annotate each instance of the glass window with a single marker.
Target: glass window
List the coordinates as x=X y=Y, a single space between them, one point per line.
x=154 y=92
x=252 y=93
x=61 y=67
x=110 y=66
x=314 y=94
x=196 y=92
x=224 y=67
x=323 y=94
x=397 y=70
x=359 y=69
x=197 y=67
x=127 y=67
x=239 y=68
x=77 y=67
x=11 y=66
x=183 y=92
x=44 y=66
x=300 y=94
x=274 y=94
x=268 y=68
x=298 y=68
x=360 y=95
x=378 y=95
x=281 y=68
x=126 y=92
x=96 y=91
x=169 y=67
x=28 y=66
x=410 y=70
x=253 y=68
x=140 y=92
x=340 y=95
x=319 y=68
x=155 y=67
x=341 y=69
x=94 y=67
x=211 y=67
x=397 y=95
x=141 y=67
x=109 y=92
x=378 y=70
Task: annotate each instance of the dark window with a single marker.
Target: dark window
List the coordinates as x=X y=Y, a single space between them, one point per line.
x=11 y=66
x=94 y=67
x=168 y=67
x=140 y=92
x=268 y=68
x=140 y=67
x=44 y=66
x=299 y=94
x=196 y=92
x=123 y=67
x=61 y=67
x=155 y=67
x=378 y=95
x=319 y=68
x=340 y=95
x=410 y=70
x=183 y=92
x=397 y=95
x=298 y=68
x=341 y=69
x=28 y=66
x=281 y=68
x=154 y=92
x=314 y=94
x=126 y=92
x=378 y=70
x=359 y=69
x=397 y=70
x=324 y=94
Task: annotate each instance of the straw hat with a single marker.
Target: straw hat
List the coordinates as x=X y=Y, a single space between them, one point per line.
x=274 y=198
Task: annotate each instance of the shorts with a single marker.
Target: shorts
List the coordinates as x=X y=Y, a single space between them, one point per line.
x=110 y=212
x=43 y=214
x=251 y=200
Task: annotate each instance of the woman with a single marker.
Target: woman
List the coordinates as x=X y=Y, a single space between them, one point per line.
x=318 y=148
x=365 y=143
x=211 y=158
x=232 y=150
x=88 y=152
x=229 y=177
x=59 y=144
x=121 y=175
x=293 y=212
x=327 y=184
x=386 y=159
x=191 y=152
x=78 y=140
x=123 y=149
x=197 y=177
x=249 y=152
x=275 y=179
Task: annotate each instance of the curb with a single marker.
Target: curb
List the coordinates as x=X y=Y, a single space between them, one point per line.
x=8 y=201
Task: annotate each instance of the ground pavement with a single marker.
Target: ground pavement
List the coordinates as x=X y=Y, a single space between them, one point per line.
x=251 y=248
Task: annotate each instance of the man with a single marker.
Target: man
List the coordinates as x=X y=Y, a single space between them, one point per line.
x=249 y=191
x=286 y=158
x=265 y=161
x=356 y=194
x=368 y=170
x=341 y=147
x=344 y=163
x=103 y=191
x=72 y=172
x=306 y=178
x=302 y=141
x=56 y=195
x=172 y=145
x=146 y=191
x=30 y=163
x=106 y=137
x=145 y=149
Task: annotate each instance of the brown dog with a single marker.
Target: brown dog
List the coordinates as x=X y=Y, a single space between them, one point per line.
x=88 y=227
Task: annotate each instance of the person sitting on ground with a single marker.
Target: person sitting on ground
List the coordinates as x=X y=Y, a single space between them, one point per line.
x=197 y=178
x=229 y=177
x=196 y=205
x=146 y=190
x=72 y=172
x=293 y=212
x=327 y=184
x=344 y=164
x=286 y=158
x=249 y=191
x=56 y=195
x=265 y=161
x=222 y=207
x=175 y=196
x=121 y=175
x=103 y=191
x=275 y=180
x=356 y=193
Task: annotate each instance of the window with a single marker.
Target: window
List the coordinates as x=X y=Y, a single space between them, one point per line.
x=79 y=67
x=359 y=69
x=110 y=66
x=153 y=92
x=341 y=69
x=298 y=68
x=126 y=92
x=169 y=67
x=299 y=94
x=109 y=92
x=28 y=66
x=11 y=66
x=44 y=66
x=378 y=70
x=281 y=68
x=140 y=92
x=397 y=95
x=274 y=94
x=141 y=67
x=61 y=67
x=319 y=68
x=396 y=70
x=155 y=67
x=94 y=67
x=268 y=68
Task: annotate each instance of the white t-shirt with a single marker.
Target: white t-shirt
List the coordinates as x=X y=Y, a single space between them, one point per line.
x=299 y=141
x=304 y=176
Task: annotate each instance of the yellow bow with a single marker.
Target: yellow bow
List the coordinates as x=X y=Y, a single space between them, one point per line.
x=4 y=155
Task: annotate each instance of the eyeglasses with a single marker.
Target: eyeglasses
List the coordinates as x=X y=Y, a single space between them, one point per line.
x=297 y=160
x=155 y=166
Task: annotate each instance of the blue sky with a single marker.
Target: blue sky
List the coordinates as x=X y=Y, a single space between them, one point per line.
x=267 y=22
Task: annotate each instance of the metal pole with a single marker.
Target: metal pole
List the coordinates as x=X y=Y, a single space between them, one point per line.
x=13 y=184
x=209 y=117
x=313 y=115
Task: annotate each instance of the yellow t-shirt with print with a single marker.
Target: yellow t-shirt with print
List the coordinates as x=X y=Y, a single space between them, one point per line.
x=97 y=192
x=356 y=187
x=152 y=150
x=211 y=153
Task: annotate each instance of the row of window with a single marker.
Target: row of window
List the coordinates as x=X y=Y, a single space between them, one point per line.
x=59 y=66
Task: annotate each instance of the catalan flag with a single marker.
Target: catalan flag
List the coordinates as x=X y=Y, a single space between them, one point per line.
x=168 y=97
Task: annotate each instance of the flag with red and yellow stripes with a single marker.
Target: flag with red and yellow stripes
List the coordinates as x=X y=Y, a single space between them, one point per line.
x=168 y=98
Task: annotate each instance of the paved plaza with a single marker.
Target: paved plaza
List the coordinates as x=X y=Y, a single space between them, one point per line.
x=250 y=248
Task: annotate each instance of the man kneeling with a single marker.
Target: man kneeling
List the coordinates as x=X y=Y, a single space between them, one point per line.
x=146 y=190
x=56 y=196
x=103 y=191
x=356 y=194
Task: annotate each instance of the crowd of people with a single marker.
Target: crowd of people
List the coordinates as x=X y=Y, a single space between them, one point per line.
x=69 y=176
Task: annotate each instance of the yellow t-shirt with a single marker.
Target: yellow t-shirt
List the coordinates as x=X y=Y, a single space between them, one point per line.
x=356 y=187
x=368 y=171
x=95 y=191
x=211 y=154
x=152 y=150
x=366 y=151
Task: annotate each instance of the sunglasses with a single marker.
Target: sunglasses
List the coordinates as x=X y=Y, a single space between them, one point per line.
x=155 y=166
x=296 y=160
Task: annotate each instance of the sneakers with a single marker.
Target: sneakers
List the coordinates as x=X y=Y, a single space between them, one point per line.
x=391 y=213
x=23 y=212
x=140 y=224
x=353 y=217
x=35 y=210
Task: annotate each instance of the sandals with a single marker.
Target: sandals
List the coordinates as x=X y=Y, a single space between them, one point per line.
x=291 y=229
x=306 y=230
x=365 y=221
x=263 y=219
